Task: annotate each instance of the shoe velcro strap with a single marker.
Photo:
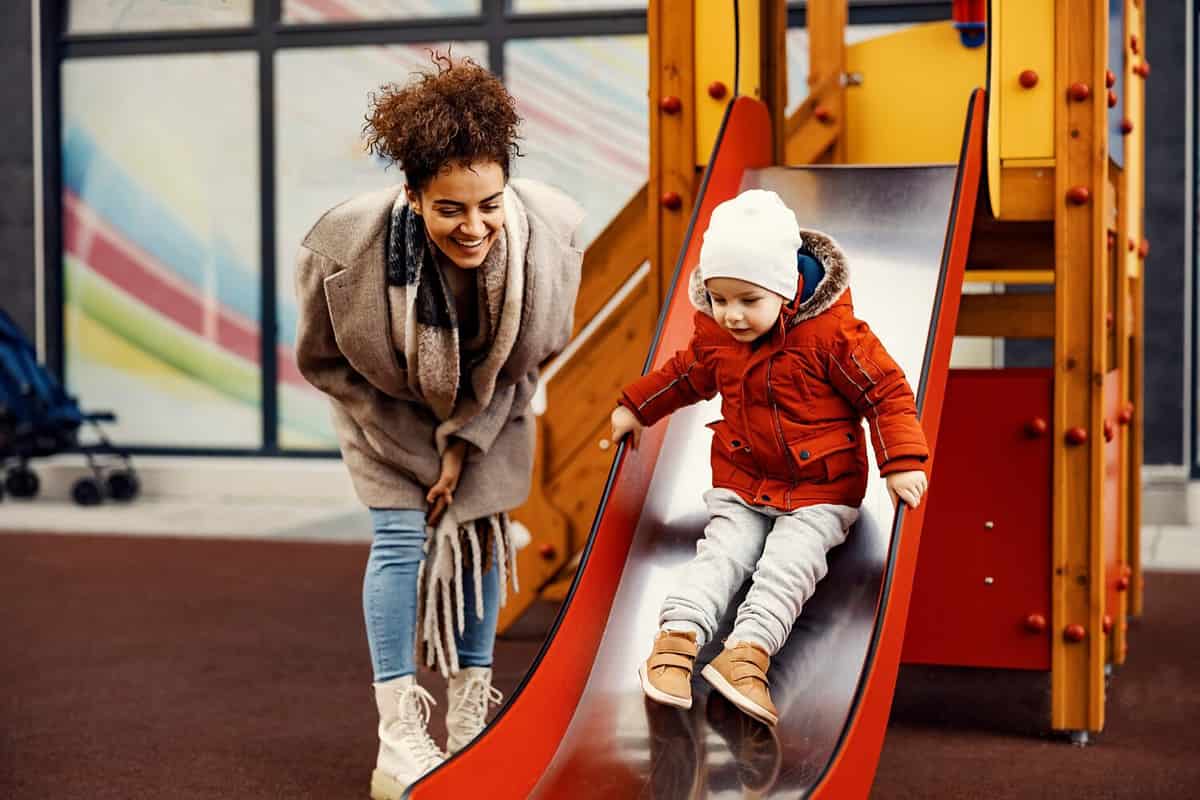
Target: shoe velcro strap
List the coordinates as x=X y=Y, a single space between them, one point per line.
x=751 y=655
x=671 y=660
x=742 y=671
x=683 y=647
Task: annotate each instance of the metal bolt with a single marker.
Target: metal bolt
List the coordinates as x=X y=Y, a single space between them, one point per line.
x=989 y=580
x=989 y=525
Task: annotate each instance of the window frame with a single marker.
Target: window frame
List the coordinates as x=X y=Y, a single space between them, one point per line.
x=267 y=34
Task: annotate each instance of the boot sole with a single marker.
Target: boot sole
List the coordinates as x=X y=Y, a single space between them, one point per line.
x=385 y=787
x=659 y=696
x=718 y=682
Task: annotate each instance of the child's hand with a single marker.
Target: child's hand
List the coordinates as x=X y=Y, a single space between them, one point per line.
x=907 y=486
x=623 y=422
x=441 y=495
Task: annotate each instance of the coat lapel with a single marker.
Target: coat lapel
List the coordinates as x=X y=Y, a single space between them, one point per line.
x=358 y=307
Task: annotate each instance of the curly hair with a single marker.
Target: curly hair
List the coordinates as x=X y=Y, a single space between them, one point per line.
x=459 y=114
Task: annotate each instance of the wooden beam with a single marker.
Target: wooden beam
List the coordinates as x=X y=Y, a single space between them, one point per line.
x=1130 y=323
x=1081 y=152
x=670 y=25
x=549 y=550
x=610 y=260
x=827 y=64
x=1028 y=191
x=1011 y=316
x=773 y=70
x=1015 y=277
x=584 y=391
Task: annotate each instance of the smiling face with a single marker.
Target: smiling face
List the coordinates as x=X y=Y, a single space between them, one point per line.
x=744 y=309
x=463 y=210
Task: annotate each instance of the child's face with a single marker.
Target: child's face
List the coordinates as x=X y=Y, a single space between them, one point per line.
x=744 y=309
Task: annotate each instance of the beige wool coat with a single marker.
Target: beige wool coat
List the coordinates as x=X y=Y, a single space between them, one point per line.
x=345 y=347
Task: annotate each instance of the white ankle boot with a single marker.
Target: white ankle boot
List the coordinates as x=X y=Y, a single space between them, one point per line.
x=405 y=750
x=471 y=692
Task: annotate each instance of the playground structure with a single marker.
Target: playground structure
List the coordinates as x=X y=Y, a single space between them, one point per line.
x=1028 y=551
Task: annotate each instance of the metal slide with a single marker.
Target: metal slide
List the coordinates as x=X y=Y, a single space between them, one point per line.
x=579 y=727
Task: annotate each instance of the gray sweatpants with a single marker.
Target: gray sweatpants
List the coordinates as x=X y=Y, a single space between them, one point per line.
x=785 y=553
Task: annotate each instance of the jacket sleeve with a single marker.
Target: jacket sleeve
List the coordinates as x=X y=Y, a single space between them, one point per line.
x=688 y=377
x=866 y=375
x=318 y=356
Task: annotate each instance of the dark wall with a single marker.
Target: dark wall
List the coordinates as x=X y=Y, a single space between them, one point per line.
x=16 y=164
x=1166 y=228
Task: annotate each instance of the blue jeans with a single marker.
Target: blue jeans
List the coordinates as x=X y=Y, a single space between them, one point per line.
x=390 y=598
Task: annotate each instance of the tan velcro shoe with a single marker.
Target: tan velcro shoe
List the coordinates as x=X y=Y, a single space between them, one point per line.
x=667 y=674
x=740 y=674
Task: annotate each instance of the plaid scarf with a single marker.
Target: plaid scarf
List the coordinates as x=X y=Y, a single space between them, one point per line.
x=432 y=353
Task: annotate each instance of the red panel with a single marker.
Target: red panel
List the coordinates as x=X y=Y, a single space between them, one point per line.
x=989 y=518
x=853 y=769
x=510 y=756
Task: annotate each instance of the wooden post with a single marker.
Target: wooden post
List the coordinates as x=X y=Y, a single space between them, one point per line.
x=670 y=26
x=827 y=61
x=1081 y=152
x=1131 y=338
x=773 y=69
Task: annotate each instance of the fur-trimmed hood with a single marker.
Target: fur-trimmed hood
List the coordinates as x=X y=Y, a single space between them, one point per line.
x=831 y=287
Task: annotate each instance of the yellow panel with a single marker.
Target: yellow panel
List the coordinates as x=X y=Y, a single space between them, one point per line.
x=910 y=110
x=714 y=62
x=1026 y=42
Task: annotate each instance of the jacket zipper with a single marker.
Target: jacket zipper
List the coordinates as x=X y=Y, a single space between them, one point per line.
x=787 y=455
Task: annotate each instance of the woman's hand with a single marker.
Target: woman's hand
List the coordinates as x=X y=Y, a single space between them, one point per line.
x=908 y=486
x=623 y=422
x=441 y=495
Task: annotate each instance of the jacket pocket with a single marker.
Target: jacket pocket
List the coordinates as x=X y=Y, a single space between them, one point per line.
x=827 y=456
x=732 y=461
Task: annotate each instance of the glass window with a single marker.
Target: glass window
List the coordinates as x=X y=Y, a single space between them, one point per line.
x=321 y=101
x=107 y=16
x=586 y=126
x=161 y=245
x=315 y=11
x=557 y=6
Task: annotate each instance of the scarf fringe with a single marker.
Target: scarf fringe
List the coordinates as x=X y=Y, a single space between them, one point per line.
x=440 y=583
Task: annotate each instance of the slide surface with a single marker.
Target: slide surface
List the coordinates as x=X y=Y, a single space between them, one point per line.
x=580 y=727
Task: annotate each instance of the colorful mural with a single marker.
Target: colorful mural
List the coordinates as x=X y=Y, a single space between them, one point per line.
x=161 y=245
x=103 y=16
x=308 y=11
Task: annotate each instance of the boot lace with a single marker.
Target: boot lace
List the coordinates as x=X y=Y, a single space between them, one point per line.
x=471 y=704
x=416 y=705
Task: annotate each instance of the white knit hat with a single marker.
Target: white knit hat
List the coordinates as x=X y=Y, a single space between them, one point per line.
x=753 y=237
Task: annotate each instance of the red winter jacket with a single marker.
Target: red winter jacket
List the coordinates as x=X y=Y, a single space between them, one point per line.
x=792 y=405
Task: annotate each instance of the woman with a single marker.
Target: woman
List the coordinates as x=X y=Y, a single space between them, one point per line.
x=424 y=315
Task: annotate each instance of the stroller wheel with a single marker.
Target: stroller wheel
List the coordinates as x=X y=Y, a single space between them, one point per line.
x=22 y=482
x=123 y=485
x=86 y=492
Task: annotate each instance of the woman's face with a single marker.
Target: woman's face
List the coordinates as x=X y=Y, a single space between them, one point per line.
x=463 y=210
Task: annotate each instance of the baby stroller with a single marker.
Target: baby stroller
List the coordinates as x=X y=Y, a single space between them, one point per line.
x=39 y=419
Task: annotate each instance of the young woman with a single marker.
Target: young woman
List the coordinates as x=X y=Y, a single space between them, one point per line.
x=425 y=313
